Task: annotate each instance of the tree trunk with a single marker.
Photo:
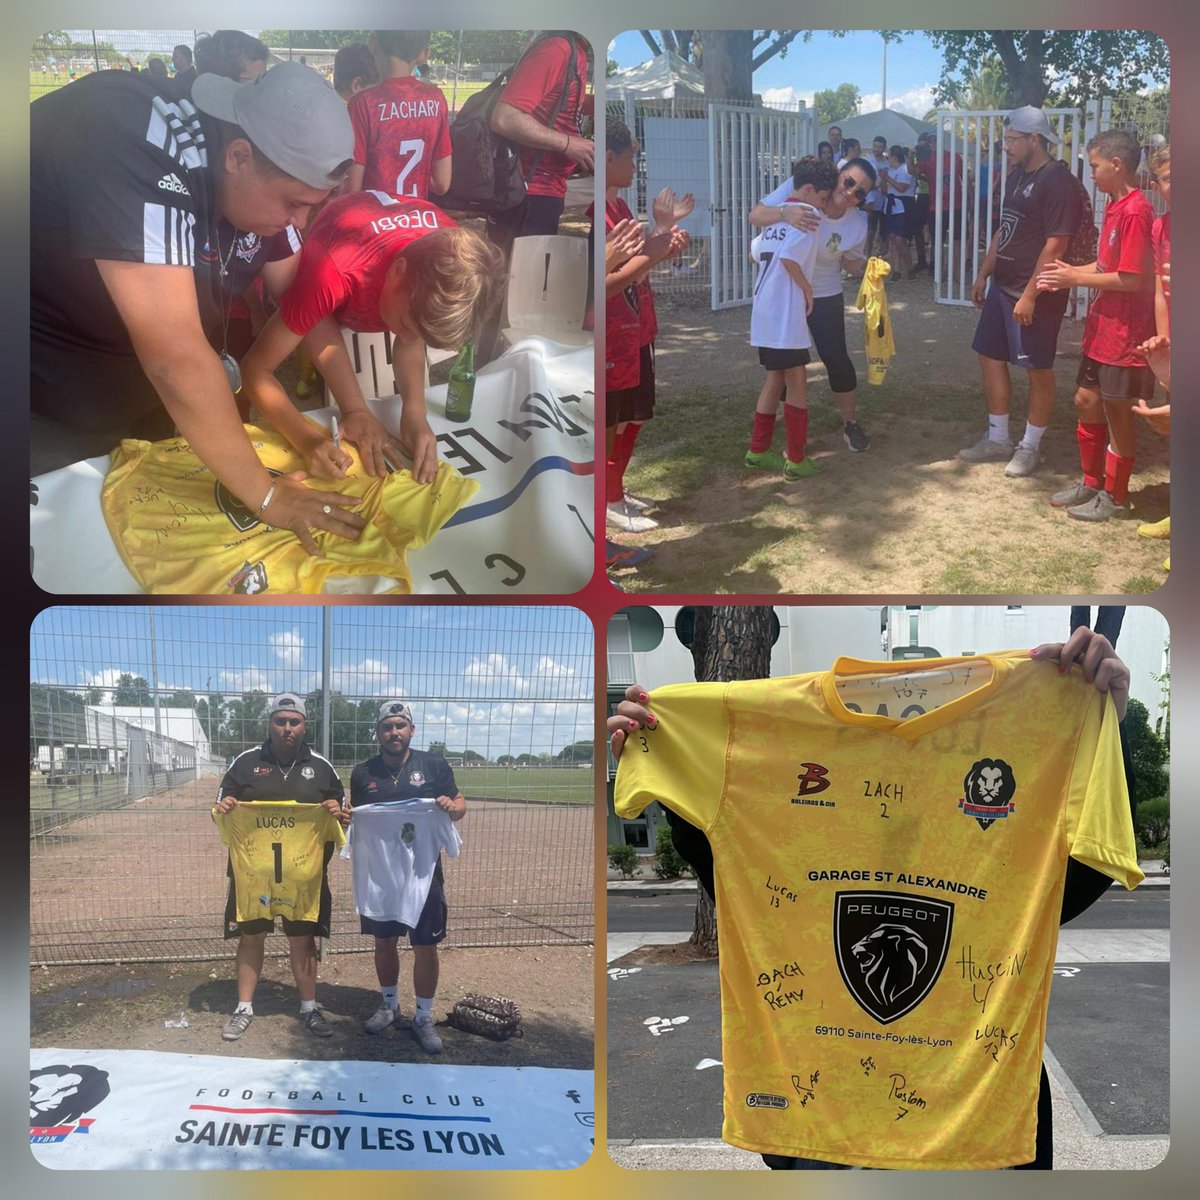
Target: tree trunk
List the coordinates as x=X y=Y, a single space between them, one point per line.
x=728 y=642
x=726 y=64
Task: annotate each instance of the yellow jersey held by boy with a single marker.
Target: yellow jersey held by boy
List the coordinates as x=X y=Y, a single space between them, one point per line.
x=278 y=853
x=890 y=843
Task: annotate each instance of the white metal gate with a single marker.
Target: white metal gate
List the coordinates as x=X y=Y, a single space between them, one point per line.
x=750 y=151
x=967 y=208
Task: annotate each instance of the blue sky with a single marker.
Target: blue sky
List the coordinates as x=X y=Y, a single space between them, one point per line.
x=505 y=679
x=913 y=68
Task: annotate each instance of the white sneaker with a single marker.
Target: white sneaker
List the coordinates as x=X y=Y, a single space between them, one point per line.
x=641 y=503
x=622 y=515
x=1023 y=463
x=986 y=450
x=380 y=1019
x=427 y=1037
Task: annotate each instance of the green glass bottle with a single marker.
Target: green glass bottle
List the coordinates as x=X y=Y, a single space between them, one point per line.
x=460 y=391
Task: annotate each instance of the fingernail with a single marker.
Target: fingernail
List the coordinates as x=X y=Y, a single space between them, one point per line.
x=651 y=718
x=633 y=724
x=643 y=697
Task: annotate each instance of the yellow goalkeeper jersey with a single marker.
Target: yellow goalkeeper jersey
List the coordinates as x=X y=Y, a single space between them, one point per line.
x=877 y=321
x=179 y=529
x=278 y=851
x=890 y=844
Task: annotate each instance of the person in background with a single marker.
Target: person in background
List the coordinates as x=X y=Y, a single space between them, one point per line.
x=354 y=68
x=897 y=205
x=185 y=71
x=825 y=151
x=231 y=53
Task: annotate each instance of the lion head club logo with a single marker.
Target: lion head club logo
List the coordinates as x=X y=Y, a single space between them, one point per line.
x=988 y=791
x=250 y=579
x=248 y=246
x=890 y=949
x=306 y=772
x=240 y=517
x=408 y=834
x=416 y=779
x=59 y=1095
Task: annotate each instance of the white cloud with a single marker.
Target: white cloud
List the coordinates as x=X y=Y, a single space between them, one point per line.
x=371 y=677
x=106 y=679
x=288 y=646
x=785 y=97
x=916 y=102
x=495 y=672
x=249 y=680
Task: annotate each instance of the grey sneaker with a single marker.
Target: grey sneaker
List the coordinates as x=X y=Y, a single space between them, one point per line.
x=315 y=1023
x=380 y=1019
x=1024 y=462
x=622 y=515
x=236 y=1026
x=427 y=1037
x=1078 y=493
x=985 y=450
x=641 y=503
x=1101 y=507
x=855 y=437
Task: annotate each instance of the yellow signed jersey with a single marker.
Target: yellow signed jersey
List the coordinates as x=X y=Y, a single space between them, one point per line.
x=872 y=298
x=180 y=530
x=890 y=844
x=277 y=856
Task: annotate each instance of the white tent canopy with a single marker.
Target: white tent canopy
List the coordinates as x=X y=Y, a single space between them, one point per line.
x=899 y=128
x=664 y=77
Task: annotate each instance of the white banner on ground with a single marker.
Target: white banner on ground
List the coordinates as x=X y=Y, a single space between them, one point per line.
x=141 y=1110
x=529 y=529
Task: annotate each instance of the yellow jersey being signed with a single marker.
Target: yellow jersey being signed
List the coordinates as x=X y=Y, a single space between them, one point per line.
x=890 y=844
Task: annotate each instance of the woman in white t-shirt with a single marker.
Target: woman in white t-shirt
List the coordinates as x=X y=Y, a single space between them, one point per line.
x=901 y=194
x=841 y=243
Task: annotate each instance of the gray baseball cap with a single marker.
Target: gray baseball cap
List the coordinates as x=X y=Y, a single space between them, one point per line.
x=290 y=114
x=394 y=708
x=288 y=702
x=1031 y=119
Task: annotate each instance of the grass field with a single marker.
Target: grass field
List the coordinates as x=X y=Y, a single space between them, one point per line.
x=41 y=82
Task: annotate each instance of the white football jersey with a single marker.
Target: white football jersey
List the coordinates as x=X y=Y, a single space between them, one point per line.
x=779 y=316
x=393 y=850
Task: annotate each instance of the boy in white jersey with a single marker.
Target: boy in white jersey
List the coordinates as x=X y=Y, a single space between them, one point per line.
x=779 y=322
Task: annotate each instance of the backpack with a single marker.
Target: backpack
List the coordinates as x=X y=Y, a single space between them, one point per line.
x=485 y=172
x=489 y=1016
x=1085 y=241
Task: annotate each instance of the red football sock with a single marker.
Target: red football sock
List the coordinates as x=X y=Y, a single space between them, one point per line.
x=614 y=476
x=1117 y=470
x=795 y=422
x=1093 y=441
x=763 y=432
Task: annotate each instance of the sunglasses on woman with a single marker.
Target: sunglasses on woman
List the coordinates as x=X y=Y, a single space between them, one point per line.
x=849 y=185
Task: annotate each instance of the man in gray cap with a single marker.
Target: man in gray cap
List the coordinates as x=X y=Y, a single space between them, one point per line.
x=150 y=213
x=400 y=773
x=1019 y=325
x=282 y=768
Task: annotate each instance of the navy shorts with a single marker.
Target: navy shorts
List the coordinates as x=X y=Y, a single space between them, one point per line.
x=1116 y=384
x=428 y=931
x=782 y=360
x=1033 y=346
x=896 y=223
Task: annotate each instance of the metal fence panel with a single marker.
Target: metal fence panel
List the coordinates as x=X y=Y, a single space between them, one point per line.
x=125 y=862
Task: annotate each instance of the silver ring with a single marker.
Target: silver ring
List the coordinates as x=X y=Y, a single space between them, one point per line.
x=325 y=508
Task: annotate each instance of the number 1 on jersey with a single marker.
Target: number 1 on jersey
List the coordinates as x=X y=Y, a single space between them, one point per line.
x=277 y=851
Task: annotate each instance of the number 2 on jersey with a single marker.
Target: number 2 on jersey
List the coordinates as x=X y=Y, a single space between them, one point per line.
x=410 y=151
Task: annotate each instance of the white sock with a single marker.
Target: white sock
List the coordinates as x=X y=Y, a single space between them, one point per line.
x=307 y=1005
x=424 y=1010
x=389 y=998
x=997 y=427
x=244 y=1006
x=1033 y=435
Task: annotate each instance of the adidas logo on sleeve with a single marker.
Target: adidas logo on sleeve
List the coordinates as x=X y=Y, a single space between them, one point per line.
x=172 y=183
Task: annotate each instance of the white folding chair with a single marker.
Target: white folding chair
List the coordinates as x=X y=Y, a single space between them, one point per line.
x=371 y=358
x=547 y=289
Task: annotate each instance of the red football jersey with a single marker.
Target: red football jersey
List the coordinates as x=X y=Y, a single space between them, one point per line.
x=1161 y=238
x=1117 y=322
x=347 y=251
x=401 y=128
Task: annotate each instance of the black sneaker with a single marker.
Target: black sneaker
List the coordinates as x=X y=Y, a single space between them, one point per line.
x=314 y=1021
x=855 y=436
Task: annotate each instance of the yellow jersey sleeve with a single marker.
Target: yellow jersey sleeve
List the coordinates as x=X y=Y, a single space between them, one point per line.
x=178 y=529
x=277 y=857
x=1099 y=829
x=681 y=762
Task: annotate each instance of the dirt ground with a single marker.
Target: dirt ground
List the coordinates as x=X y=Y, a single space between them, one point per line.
x=125 y=1007
x=904 y=517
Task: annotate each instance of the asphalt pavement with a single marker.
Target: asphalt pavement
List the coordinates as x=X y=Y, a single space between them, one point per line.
x=1107 y=1042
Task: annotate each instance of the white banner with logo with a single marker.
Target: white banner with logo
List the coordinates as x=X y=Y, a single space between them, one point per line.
x=529 y=529
x=141 y=1110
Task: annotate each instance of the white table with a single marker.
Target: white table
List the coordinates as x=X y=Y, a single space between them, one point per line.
x=529 y=444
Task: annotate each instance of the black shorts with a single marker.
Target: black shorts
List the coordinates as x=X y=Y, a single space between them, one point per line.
x=1034 y=346
x=782 y=360
x=1120 y=385
x=634 y=404
x=428 y=931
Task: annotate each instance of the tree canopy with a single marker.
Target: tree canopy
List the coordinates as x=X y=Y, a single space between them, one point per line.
x=836 y=104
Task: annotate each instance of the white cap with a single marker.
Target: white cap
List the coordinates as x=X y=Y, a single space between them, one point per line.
x=1031 y=119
